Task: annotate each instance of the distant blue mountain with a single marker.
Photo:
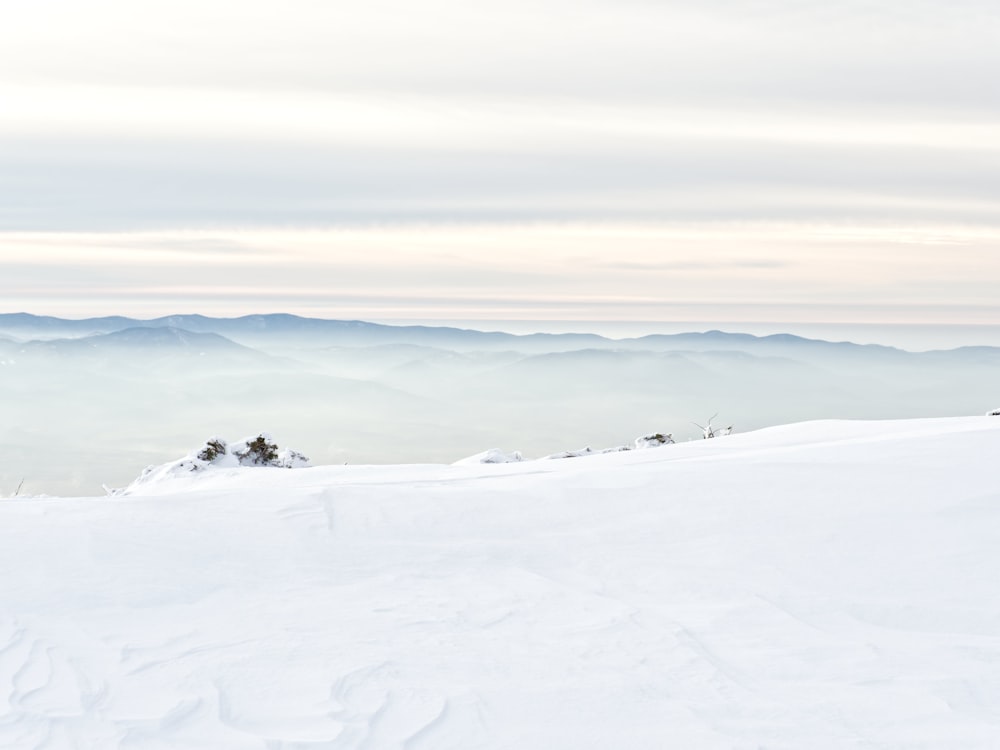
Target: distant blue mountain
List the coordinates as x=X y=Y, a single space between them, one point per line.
x=285 y=331
x=291 y=330
x=143 y=344
x=27 y=326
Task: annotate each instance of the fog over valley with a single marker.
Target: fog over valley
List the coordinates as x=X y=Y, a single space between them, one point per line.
x=92 y=402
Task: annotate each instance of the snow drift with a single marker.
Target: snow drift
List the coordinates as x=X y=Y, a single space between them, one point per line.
x=258 y=450
x=823 y=585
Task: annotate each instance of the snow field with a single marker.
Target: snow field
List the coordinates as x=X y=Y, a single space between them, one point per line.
x=823 y=585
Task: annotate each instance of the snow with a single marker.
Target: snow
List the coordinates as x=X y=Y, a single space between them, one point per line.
x=655 y=440
x=497 y=456
x=821 y=585
x=491 y=456
x=587 y=451
x=217 y=453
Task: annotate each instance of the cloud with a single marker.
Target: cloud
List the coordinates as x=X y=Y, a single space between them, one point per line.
x=512 y=149
x=191 y=114
x=109 y=183
x=896 y=53
x=550 y=271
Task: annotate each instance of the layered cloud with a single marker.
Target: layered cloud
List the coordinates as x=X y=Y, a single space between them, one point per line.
x=183 y=114
x=590 y=159
x=696 y=272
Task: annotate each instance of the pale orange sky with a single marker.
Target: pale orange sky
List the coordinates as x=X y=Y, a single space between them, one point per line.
x=756 y=272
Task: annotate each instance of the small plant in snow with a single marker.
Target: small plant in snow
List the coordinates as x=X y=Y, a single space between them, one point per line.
x=654 y=441
x=710 y=432
x=289 y=459
x=213 y=448
x=261 y=450
x=258 y=451
x=18 y=490
x=994 y=413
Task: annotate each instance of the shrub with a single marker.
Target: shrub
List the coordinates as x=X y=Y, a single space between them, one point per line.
x=258 y=452
x=213 y=448
x=654 y=441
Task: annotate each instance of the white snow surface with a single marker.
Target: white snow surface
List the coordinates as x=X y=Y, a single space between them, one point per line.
x=491 y=456
x=822 y=585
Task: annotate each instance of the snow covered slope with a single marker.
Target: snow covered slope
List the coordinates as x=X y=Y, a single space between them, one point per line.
x=824 y=585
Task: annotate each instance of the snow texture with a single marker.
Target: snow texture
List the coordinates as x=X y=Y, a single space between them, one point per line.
x=821 y=585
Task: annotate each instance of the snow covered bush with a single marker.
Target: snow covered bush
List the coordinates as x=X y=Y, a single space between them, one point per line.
x=213 y=448
x=257 y=451
x=261 y=450
x=654 y=441
x=216 y=453
x=289 y=459
x=711 y=432
x=994 y=413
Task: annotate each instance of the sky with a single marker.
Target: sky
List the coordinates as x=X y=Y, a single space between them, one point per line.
x=791 y=162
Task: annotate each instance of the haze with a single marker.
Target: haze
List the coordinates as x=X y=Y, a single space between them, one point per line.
x=627 y=168
x=93 y=402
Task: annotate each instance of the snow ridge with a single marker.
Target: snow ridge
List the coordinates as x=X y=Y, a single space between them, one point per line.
x=820 y=585
x=215 y=453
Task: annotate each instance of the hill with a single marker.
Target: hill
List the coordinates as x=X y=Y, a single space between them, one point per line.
x=821 y=585
x=350 y=391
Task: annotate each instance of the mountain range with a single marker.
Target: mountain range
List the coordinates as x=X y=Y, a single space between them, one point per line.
x=110 y=395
